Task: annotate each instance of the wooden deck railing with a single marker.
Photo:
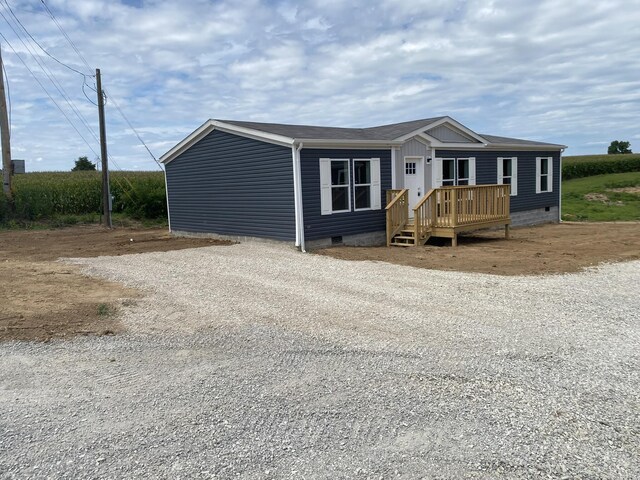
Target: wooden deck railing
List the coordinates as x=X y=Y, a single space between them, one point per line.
x=424 y=215
x=459 y=206
x=397 y=212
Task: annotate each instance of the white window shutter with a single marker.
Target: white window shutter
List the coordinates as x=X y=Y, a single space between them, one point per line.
x=325 y=186
x=376 y=193
x=514 y=176
x=437 y=172
x=538 y=160
x=472 y=170
x=500 y=171
x=550 y=179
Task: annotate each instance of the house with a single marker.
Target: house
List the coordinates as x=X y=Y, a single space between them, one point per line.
x=318 y=186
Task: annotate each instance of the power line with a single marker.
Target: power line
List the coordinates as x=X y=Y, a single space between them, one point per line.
x=48 y=94
x=135 y=132
x=41 y=47
x=55 y=20
x=49 y=74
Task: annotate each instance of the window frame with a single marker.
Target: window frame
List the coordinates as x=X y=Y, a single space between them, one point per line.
x=347 y=185
x=548 y=175
x=355 y=185
x=514 y=174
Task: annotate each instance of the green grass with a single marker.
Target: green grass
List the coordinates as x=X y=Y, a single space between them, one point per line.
x=605 y=205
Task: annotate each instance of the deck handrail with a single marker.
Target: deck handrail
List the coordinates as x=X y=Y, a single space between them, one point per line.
x=424 y=214
x=470 y=204
x=397 y=213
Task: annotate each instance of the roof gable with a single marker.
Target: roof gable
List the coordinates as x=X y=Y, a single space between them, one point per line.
x=447 y=133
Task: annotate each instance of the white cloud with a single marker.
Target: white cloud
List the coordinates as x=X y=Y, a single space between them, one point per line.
x=562 y=72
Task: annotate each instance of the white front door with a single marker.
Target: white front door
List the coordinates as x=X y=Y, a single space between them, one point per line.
x=414 y=180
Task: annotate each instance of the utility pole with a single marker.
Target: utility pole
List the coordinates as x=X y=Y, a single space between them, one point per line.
x=6 y=141
x=106 y=192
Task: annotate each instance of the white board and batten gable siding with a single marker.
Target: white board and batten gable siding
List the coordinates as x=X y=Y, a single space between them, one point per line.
x=325 y=184
x=445 y=134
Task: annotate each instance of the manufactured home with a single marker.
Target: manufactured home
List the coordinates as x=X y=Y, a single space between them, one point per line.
x=397 y=184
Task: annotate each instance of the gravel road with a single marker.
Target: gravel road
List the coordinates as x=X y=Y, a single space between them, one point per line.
x=256 y=361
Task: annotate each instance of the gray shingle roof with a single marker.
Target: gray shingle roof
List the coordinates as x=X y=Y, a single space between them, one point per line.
x=383 y=132
x=493 y=139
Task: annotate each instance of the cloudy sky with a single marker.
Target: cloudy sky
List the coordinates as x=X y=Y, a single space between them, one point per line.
x=560 y=72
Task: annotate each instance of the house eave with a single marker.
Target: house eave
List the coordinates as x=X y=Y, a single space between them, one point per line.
x=211 y=125
x=340 y=143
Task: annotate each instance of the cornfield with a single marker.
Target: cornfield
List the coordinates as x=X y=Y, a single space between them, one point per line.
x=40 y=196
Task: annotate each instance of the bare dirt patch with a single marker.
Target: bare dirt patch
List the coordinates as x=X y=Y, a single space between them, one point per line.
x=44 y=299
x=545 y=249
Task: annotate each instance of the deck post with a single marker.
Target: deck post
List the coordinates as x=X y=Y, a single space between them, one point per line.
x=506 y=232
x=454 y=207
x=454 y=240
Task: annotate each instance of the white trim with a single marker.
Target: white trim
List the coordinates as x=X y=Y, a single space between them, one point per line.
x=326 y=202
x=437 y=123
x=300 y=219
x=436 y=172
x=211 y=125
x=472 y=171
x=560 y=188
x=539 y=175
x=376 y=185
x=166 y=191
x=514 y=173
x=393 y=169
x=353 y=177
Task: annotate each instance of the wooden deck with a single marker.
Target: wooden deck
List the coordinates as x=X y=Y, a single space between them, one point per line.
x=445 y=212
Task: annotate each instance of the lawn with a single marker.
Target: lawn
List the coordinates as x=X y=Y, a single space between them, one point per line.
x=601 y=198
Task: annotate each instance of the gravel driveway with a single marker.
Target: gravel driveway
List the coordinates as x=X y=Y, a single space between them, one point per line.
x=257 y=361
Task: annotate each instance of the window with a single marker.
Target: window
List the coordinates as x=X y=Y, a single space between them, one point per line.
x=508 y=173
x=544 y=174
x=463 y=171
x=448 y=171
x=455 y=171
x=362 y=184
x=409 y=168
x=341 y=191
x=339 y=185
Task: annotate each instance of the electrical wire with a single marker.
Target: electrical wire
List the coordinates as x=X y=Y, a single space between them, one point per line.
x=48 y=94
x=55 y=20
x=41 y=47
x=49 y=74
x=135 y=132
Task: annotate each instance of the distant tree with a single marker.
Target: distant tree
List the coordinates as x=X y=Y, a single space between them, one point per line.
x=618 y=146
x=83 y=163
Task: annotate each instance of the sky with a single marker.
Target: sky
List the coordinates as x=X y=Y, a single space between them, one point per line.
x=559 y=72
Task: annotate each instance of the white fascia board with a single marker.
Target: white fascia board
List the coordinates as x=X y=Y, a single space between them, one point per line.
x=523 y=148
x=437 y=123
x=194 y=136
x=329 y=143
x=211 y=125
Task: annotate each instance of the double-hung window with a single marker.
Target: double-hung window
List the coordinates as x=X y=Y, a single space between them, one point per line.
x=340 y=192
x=349 y=185
x=362 y=184
x=455 y=171
x=508 y=173
x=544 y=174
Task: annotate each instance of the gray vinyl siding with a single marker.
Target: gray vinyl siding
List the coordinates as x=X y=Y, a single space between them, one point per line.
x=447 y=135
x=232 y=185
x=527 y=198
x=316 y=225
